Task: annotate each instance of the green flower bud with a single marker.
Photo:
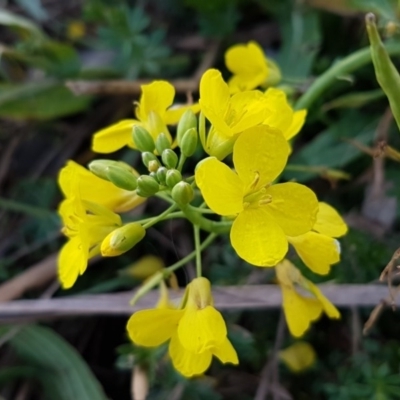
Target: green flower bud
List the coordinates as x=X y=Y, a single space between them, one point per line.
x=99 y=167
x=147 y=186
x=162 y=143
x=173 y=177
x=169 y=158
x=182 y=193
x=153 y=166
x=122 y=239
x=162 y=175
x=121 y=177
x=147 y=157
x=187 y=121
x=189 y=142
x=142 y=139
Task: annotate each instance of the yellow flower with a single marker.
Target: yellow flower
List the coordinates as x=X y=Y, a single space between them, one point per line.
x=196 y=332
x=318 y=248
x=282 y=116
x=153 y=112
x=265 y=213
x=300 y=310
x=229 y=115
x=74 y=177
x=250 y=67
x=86 y=224
x=298 y=357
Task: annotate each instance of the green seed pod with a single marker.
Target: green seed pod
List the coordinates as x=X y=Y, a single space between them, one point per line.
x=189 y=142
x=187 y=121
x=147 y=186
x=147 y=157
x=142 y=139
x=173 y=177
x=122 y=239
x=162 y=175
x=121 y=177
x=162 y=143
x=182 y=193
x=169 y=158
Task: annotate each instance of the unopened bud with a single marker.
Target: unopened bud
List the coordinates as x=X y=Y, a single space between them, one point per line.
x=169 y=158
x=162 y=175
x=121 y=177
x=142 y=139
x=147 y=186
x=99 y=167
x=122 y=239
x=182 y=193
x=153 y=166
x=173 y=177
x=188 y=143
x=162 y=143
x=187 y=121
x=147 y=157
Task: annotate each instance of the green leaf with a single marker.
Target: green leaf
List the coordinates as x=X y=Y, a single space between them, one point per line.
x=24 y=25
x=39 y=100
x=354 y=100
x=64 y=374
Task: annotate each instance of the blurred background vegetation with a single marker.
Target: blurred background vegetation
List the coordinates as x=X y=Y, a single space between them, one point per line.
x=46 y=47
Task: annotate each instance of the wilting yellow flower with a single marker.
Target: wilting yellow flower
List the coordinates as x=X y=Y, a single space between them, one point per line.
x=196 y=332
x=298 y=357
x=153 y=112
x=86 y=224
x=229 y=115
x=281 y=114
x=73 y=177
x=300 y=310
x=318 y=248
x=265 y=213
x=250 y=67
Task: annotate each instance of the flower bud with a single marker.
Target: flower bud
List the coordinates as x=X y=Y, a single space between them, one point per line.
x=162 y=143
x=147 y=157
x=153 y=166
x=99 y=167
x=182 y=193
x=173 y=177
x=147 y=186
x=122 y=239
x=189 y=142
x=162 y=175
x=169 y=158
x=187 y=121
x=142 y=139
x=121 y=177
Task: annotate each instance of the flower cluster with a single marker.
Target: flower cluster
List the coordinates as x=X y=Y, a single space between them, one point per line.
x=263 y=215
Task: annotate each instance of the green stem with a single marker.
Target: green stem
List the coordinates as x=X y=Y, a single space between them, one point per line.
x=210 y=238
x=182 y=160
x=197 y=250
x=206 y=224
x=160 y=217
x=344 y=67
x=165 y=197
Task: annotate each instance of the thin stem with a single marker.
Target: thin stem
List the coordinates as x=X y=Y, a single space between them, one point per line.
x=160 y=217
x=197 y=250
x=344 y=67
x=182 y=160
x=165 y=197
x=210 y=238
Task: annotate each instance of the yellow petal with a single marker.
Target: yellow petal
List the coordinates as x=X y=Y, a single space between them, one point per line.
x=214 y=99
x=156 y=96
x=298 y=120
x=257 y=238
x=173 y=114
x=329 y=222
x=221 y=188
x=298 y=357
x=226 y=353
x=330 y=310
x=317 y=251
x=247 y=109
x=293 y=206
x=151 y=328
x=281 y=114
x=113 y=137
x=259 y=156
x=72 y=262
x=187 y=363
x=201 y=330
x=299 y=311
